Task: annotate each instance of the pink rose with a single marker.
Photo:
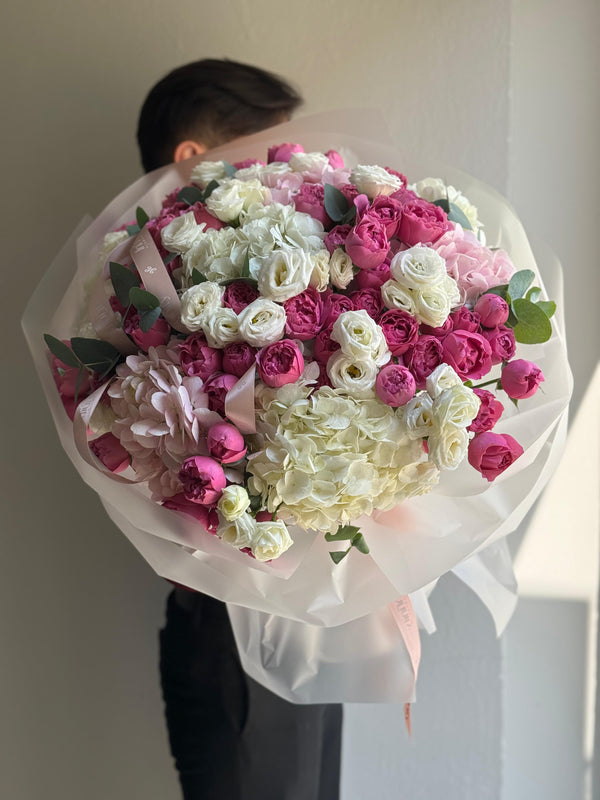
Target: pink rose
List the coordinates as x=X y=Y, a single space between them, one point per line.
x=324 y=346
x=398 y=175
x=373 y=278
x=422 y=223
x=239 y=294
x=520 y=378
x=283 y=152
x=423 y=358
x=465 y=320
x=217 y=388
x=226 y=443
x=311 y=200
x=238 y=358
x=280 y=363
x=491 y=453
x=401 y=330
x=171 y=205
x=489 y=412
x=198 y=358
x=337 y=237
x=367 y=243
x=369 y=300
x=395 y=385
x=492 y=310
x=334 y=304
x=111 y=452
x=202 y=214
x=335 y=159
x=349 y=191
x=205 y=515
x=66 y=379
x=203 y=480
x=303 y=314
x=502 y=341
x=404 y=195
x=158 y=334
x=440 y=332
x=388 y=211
x=469 y=354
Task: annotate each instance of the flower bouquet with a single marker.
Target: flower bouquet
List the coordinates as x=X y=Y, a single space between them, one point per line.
x=295 y=381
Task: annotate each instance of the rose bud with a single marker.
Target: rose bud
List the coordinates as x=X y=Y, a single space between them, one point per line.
x=280 y=363
x=203 y=480
x=367 y=243
x=217 y=388
x=282 y=152
x=238 y=358
x=502 y=341
x=109 y=450
x=469 y=354
x=226 y=443
x=198 y=358
x=490 y=411
x=335 y=159
x=492 y=309
x=491 y=453
x=395 y=385
x=520 y=378
x=158 y=334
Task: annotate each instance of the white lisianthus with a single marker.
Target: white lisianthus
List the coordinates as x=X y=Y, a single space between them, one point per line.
x=310 y=165
x=207 y=171
x=319 y=277
x=394 y=295
x=442 y=377
x=281 y=226
x=110 y=241
x=432 y=305
x=222 y=327
x=418 y=268
x=373 y=180
x=432 y=189
x=341 y=268
x=354 y=375
x=199 y=302
x=270 y=539
x=262 y=322
x=232 y=197
x=238 y=532
x=234 y=502
x=448 y=446
x=284 y=274
x=360 y=337
x=417 y=415
x=216 y=254
x=181 y=233
x=456 y=406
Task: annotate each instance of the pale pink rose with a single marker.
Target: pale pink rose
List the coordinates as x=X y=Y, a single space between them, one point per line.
x=491 y=453
x=490 y=411
x=109 y=450
x=283 y=152
x=469 y=354
x=335 y=159
x=226 y=443
x=198 y=358
x=492 y=310
x=280 y=363
x=520 y=379
x=238 y=357
x=395 y=385
x=203 y=480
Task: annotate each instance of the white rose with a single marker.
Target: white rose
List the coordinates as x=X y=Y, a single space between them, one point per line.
x=207 y=171
x=448 y=446
x=341 y=268
x=319 y=277
x=262 y=322
x=356 y=376
x=373 y=180
x=181 y=233
x=432 y=305
x=310 y=165
x=199 y=302
x=417 y=415
x=238 y=532
x=360 y=337
x=233 y=503
x=418 y=268
x=270 y=539
x=442 y=377
x=232 y=197
x=222 y=328
x=394 y=295
x=456 y=406
x=284 y=274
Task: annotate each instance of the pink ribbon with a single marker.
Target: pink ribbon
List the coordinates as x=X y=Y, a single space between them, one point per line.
x=406 y=620
x=239 y=402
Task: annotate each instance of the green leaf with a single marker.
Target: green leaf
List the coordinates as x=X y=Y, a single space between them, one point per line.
x=343 y=532
x=336 y=204
x=337 y=556
x=533 y=325
x=458 y=215
x=230 y=170
x=360 y=543
x=512 y=320
x=246 y=267
x=190 y=195
x=143 y=300
x=132 y=230
x=79 y=382
x=123 y=280
x=169 y=257
x=533 y=294
x=61 y=350
x=197 y=277
x=547 y=306
x=96 y=354
x=141 y=217
x=209 y=190
x=499 y=290
x=256 y=503
x=148 y=318
x=251 y=281
x=519 y=283
x=443 y=204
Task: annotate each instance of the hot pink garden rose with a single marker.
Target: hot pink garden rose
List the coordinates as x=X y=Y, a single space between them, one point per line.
x=491 y=453
x=502 y=341
x=337 y=237
x=422 y=223
x=440 y=332
x=159 y=333
x=324 y=346
x=401 y=330
x=520 y=378
x=198 y=358
x=238 y=358
x=280 y=363
x=334 y=304
x=395 y=385
x=217 y=388
x=388 y=211
x=423 y=358
x=203 y=480
x=111 y=452
x=304 y=314
x=492 y=310
x=367 y=243
x=373 y=278
x=469 y=354
x=465 y=320
x=335 y=159
x=226 y=443
x=239 y=294
x=283 y=152
x=490 y=411
x=369 y=300
x=311 y=200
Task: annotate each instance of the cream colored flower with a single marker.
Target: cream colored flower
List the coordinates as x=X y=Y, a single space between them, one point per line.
x=419 y=267
x=432 y=305
x=234 y=502
x=373 y=180
x=319 y=277
x=448 y=446
x=270 y=539
x=284 y=274
x=222 y=327
x=199 y=302
x=207 y=171
x=238 y=532
x=360 y=337
x=356 y=376
x=181 y=233
x=341 y=268
x=457 y=406
x=262 y=322
x=417 y=415
x=232 y=197
x=394 y=295
x=442 y=377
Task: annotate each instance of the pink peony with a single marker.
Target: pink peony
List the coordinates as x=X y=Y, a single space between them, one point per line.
x=492 y=310
x=304 y=314
x=334 y=304
x=335 y=159
x=520 y=378
x=388 y=211
x=311 y=200
x=324 y=346
x=158 y=334
x=226 y=443
x=109 y=450
x=491 y=453
x=203 y=480
x=280 y=363
x=425 y=355
x=465 y=320
x=367 y=243
x=66 y=379
x=490 y=411
x=401 y=330
x=440 y=332
x=238 y=358
x=502 y=341
x=469 y=354
x=395 y=385
x=337 y=237
x=239 y=294
x=422 y=223
x=369 y=300
x=202 y=214
x=217 y=388
x=198 y=358
x=373 y=278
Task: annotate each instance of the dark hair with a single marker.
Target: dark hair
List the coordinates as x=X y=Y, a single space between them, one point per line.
x=213 y=102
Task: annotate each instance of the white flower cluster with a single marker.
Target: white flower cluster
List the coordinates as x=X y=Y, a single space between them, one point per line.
x=267 y=539
x=363 y=350
x=432 y=189
x=325 y=458
x=421 y=286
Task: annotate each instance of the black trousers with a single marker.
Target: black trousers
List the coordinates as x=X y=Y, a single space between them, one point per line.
x=231 y=738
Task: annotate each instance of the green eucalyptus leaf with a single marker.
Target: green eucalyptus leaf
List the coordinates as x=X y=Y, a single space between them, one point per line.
x=79 y=382
x=336 y=204
x=512 y=320
x=148 y=318
x=190 y=195
x=457 y=215
x=96 y=354
x=533 y=294
x=198 y=277
x=256 y=503
x=230 y=170
x=141 y=217
x=209 y=190
x=132 y=230
x=360 y=543
x=533 y=326
x=251 y=281
x=61 y=350
x=501 y=290
x=342 y=533
x=123 y=280
x=519 y=283
x=337 y=556
x=143 y=300
x=547 y=306
x=349 y=216
x=443 y=204
x=169 y=257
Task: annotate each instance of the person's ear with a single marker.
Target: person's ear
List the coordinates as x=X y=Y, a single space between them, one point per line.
x=187 y=149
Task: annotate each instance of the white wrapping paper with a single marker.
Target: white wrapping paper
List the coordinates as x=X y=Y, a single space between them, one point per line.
x=307 y=629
